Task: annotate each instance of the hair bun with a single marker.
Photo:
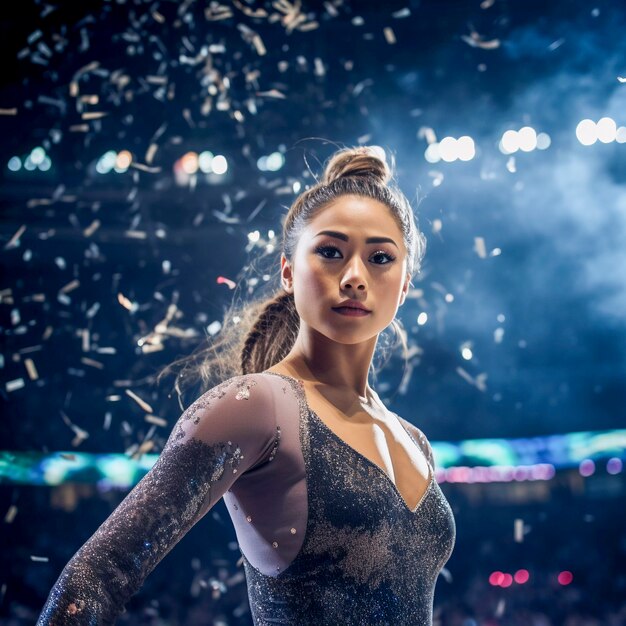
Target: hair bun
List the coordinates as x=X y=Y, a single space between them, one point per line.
x=366 y=161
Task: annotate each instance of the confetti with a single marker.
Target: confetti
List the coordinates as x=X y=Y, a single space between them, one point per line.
x=479 y=247
x=153 y=419
x=142 y=403
x=226 y=281
x=476 y=41
x=390 y=36
x=14 y=385
x=14 y=242
x=70 y=286
x=31 y=369
x=272 y=93
x=478 y=382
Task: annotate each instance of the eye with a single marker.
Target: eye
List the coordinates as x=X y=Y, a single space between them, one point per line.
x=380 y=253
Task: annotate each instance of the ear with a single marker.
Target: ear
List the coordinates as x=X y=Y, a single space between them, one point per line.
x=286 y=275
x=405 y=289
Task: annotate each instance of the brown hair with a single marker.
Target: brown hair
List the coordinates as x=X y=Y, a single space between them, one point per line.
x=257 y=334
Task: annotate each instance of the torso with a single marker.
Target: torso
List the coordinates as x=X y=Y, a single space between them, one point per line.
x=375 y=433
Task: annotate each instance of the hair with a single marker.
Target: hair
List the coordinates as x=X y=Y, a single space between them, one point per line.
x=259 y=333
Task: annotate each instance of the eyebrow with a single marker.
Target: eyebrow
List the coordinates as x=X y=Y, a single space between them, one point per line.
x=338 y=235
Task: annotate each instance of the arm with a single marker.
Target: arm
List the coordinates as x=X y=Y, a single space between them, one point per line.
x=225 y=432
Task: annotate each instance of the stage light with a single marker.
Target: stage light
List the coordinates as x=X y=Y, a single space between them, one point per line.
x=509 y=142
x=614 y=465
x=205 y=162
x=37 y=155
x=296 y=186
x=606 y=130
x=527 y=138
x=620 y=136
x=448 y=149
x=46 y=164
x=587 y=467
x=106 y=162
x=543 y=141
x=521 y=576
x=122 y=161
x=587 y=132
x=432 y=154
x=262 y=163
x=189 y=163
x=219 y=164
x=465 y=148
x=422 y=318
x=28 y=164
x=466 y=353
x=14 y=164
x=275 y=161
x=565 y=577
x=495 y=578
x=507 y=580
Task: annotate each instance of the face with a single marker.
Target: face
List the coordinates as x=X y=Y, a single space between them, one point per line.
x=328 y=270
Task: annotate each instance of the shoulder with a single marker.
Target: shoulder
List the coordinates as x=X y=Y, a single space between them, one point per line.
x=421 y=439
x=243 y=401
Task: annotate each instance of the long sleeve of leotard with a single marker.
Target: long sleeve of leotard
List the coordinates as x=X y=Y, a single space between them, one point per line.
x=224 y=433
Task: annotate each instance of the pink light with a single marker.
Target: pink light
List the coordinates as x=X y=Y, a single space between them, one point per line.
x=521 y=576
x=565 y=577
x=507 y=580
x=587 y=467
x=496 y=578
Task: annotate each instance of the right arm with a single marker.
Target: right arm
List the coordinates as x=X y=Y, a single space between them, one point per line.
x=225 y=432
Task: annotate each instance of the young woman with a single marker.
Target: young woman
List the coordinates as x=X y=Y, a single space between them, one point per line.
x=333 y=497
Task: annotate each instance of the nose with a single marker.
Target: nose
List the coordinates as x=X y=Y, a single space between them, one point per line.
x=354 y=276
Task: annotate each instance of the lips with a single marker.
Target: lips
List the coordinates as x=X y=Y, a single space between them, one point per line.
x=352 y=304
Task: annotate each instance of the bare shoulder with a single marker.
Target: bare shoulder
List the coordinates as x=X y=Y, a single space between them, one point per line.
x=421 y=439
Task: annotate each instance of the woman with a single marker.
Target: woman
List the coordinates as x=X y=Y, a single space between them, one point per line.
x=332 y=496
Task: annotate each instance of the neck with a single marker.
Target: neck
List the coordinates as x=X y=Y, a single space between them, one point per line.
x=314 y=357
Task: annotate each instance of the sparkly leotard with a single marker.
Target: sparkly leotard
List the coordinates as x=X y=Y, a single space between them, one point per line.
x=325 y=535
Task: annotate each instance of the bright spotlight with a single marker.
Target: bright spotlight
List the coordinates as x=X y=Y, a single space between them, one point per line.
x=189 y=163
x=587 y=132
x=46 y=164
x=37 y=155
x=106 y=162
x=448 y=149
x=465 y=148
x=122 y=161
x=509 y=142
x=527 y=137
x=219 y=164
x=275 y=161
x=28 y=164
x=205 y=162
x=14 y=164
x=606 y=129
x=543 y=141
x=432 y=154
x=620 y=136
x=262 y=163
